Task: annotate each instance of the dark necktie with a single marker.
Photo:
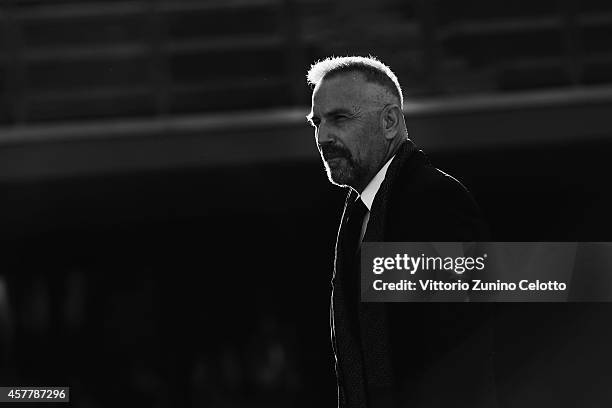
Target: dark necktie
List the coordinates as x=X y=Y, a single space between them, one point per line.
x=345 y=308
x=352 y=232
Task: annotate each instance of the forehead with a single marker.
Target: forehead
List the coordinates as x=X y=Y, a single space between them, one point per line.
x=345 y=90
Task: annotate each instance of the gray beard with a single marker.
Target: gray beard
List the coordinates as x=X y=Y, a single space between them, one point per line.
x=346 y=175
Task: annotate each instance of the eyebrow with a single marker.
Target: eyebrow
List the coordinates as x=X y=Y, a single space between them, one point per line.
x=336 y=111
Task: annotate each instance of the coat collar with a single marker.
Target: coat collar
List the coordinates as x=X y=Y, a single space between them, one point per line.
x=375 y=230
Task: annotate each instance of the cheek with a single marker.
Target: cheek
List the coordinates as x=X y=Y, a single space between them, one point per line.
x=360 y=140
x=368 y=142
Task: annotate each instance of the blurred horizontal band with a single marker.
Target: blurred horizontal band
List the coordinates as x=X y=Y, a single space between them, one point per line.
x=242 y=138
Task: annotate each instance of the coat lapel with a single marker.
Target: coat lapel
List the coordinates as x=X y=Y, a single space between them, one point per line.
x=373 y=316
x=375 y=231
x=349 y=367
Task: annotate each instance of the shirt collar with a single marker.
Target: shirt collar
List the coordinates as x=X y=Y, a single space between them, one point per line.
x=368 y=194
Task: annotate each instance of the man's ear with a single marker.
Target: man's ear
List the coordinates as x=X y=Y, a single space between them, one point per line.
x=390 y=121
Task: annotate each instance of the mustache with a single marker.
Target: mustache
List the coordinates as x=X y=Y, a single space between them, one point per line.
x=331 y=152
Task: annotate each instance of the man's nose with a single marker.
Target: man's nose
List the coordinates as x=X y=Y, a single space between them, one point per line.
x=322 y=134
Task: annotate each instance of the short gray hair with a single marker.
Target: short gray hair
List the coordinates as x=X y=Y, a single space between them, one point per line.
x=370 y=67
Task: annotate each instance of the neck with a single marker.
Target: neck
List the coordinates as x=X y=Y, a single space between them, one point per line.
x=390 y=152
x=360 y=187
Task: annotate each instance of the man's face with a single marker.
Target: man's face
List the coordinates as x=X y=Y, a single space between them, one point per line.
x=345 y=114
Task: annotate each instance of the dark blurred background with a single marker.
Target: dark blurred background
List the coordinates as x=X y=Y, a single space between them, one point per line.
x=166 y=226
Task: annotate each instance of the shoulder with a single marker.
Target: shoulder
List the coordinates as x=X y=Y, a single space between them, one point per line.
x=418 y=182
x=432 y=204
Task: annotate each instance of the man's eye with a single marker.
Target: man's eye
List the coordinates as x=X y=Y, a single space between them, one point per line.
x=340 y=118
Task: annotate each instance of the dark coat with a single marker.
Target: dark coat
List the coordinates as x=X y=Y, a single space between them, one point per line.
x=416 y=354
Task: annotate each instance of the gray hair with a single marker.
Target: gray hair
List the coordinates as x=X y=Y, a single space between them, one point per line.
x=371 y=68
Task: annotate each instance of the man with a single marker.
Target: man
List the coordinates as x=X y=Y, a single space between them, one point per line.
x=417 y=355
